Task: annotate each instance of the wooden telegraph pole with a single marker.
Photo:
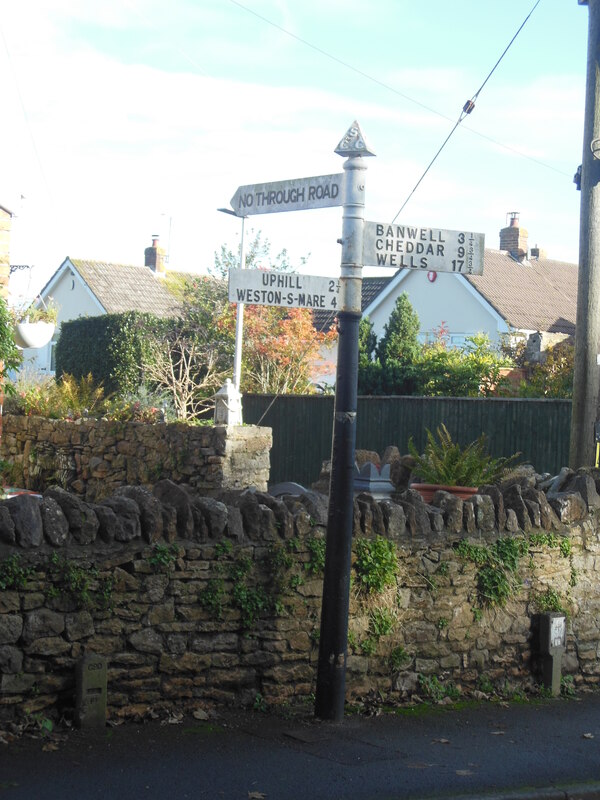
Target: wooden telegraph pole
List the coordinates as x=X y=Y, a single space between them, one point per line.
x=587 y=337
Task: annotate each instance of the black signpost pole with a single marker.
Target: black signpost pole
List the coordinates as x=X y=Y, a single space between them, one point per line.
x=333 y=641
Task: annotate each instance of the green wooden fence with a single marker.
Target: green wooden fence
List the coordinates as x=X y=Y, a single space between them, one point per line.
x=302 y=428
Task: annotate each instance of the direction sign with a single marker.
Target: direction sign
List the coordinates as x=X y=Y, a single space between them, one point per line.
x=297 y=194
x=268 y=288
x=431 y=249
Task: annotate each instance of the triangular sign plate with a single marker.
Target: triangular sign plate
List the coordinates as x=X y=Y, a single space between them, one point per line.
x=353 y=143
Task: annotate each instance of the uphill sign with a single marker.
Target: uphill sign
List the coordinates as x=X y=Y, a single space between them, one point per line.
x=269 y=288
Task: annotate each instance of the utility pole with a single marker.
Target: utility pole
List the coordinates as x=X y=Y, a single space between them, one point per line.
x=333 y=640
x=587 y=336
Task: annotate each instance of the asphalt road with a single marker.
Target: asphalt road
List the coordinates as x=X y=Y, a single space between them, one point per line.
x=542 y=749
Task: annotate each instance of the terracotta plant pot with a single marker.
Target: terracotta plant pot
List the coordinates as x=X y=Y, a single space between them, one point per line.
x=33 y=334
x=427 y=490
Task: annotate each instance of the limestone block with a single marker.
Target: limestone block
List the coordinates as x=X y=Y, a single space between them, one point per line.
x=451 y=507
x=170 y=493
x=513 y=499
x=54 y=522
x=584 y=484
x=569 y=507
x=16 y=683
x=42 y=622
x=147 y=641
x=48 y=646
x=128 y=515
x=394 y=519
x=7 y=526
x=150 y=508
x=469 y=517
x=83 y=523
x=11 y=626
x=78 y=625
x=25 y=513
x=9 y=602
x=188 y=662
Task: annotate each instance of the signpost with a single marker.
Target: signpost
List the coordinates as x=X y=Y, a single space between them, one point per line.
x=297 y=194
x=270 y=288
x=373 y=243
x=431 y=249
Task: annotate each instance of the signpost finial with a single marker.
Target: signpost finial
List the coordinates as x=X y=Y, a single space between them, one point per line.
x=353 y=143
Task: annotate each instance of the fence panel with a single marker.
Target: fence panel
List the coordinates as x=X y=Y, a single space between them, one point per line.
x=302 y=428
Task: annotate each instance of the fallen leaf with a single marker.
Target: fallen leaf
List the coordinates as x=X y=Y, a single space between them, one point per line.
x=173 y=719
x=588 y=735
x=464 y=772
x=440 y=741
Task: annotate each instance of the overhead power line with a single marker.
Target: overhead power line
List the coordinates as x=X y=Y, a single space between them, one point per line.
x=466 y=110
x=395 y=91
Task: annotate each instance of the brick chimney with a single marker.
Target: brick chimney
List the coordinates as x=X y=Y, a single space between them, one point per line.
x=537 y=253
x=513 y=238
x=154 y=257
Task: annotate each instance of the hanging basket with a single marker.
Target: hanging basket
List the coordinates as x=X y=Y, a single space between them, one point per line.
x=33 y=334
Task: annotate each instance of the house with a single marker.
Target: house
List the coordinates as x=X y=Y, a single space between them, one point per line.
x=82 y=288
x=521 y=291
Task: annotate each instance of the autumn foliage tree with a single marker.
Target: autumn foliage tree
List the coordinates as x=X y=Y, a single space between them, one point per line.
x=282 y=350
x=190 y=357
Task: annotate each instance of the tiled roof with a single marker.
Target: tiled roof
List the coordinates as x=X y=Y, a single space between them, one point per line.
x=371 y=287
x=121 y=287
x=536 y=295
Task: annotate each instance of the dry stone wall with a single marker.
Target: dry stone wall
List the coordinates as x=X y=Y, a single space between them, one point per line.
x=91 y=458
x=197 y=601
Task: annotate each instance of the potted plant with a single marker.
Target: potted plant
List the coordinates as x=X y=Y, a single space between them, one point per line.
x=34 y=325
x=460 y=470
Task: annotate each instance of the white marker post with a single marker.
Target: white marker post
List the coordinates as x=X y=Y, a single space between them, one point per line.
x=333 y=641
x=239 y=317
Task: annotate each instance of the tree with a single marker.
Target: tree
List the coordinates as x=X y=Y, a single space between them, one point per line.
x=367 y=342
x=10 y=355
x=282 y=350
x=190 y=357
x=554 y=377
x=400 y=341
x=258 y=256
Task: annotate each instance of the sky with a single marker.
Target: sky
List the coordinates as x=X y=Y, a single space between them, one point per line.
x=128 y=118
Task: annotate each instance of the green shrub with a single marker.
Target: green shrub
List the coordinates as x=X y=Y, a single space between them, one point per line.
x=110 y=347
x=12 y=574
x=375 y=564
x=316 y=549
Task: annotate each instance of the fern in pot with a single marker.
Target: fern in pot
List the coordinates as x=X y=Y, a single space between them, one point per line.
x=444 y=464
